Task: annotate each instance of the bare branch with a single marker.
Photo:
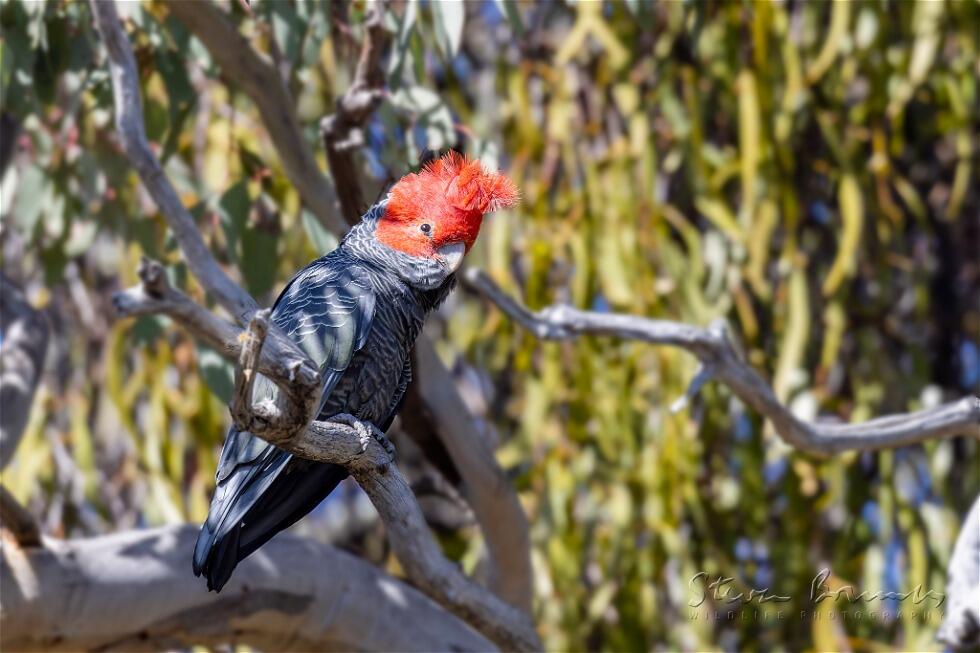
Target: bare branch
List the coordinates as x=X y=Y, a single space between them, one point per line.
x=485 y=486
x=424 y=563
x=131 y=591
x=960 y=629
x=280 y=360
x=259 y=78
x=341 y=131
x=242 y=411
x=702 y=376
x=18 y=521
x=129 y=123
x=22 y=347
x=716 y=351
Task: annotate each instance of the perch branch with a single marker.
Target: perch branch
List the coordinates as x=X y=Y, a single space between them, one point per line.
x=293 y=594
x=23 y=343
x=260 y=80
x=280 y=359
x=346 y=441
x=715 y=350
x=341 y=443
x=486 y=488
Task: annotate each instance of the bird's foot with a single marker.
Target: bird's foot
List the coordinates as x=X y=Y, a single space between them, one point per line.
x=383 y=440
x=366 y=430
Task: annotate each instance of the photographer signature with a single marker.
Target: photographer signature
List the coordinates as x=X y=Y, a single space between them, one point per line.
x=722 y=589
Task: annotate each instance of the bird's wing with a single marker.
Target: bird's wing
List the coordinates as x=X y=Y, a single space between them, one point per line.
x=327 y=309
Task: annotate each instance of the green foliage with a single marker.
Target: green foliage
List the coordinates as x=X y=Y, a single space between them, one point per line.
x=805 y=171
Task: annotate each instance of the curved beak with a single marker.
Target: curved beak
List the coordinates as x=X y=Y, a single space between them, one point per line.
x=451 y=255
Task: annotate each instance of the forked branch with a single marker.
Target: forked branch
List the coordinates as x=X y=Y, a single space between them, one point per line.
x=342 y=131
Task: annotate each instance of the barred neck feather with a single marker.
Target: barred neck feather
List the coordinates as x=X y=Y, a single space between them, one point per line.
x=420 y=273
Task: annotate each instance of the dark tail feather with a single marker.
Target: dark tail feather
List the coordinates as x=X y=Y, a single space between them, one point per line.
x=297 y=490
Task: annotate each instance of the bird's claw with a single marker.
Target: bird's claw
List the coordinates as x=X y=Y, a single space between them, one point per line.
x=366 y=431
x=383 y=440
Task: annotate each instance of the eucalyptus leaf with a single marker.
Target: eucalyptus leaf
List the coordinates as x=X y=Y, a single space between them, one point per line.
x=449 y=17
x=323 y=241
x=509 y=8
x=32 y=188
x=218 y=373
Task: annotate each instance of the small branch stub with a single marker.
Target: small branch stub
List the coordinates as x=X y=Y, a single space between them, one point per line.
x=252 y=340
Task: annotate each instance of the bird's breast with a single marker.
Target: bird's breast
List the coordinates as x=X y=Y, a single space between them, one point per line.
x=370 y=384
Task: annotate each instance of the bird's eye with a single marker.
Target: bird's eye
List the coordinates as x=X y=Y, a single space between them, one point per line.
x=426 y=228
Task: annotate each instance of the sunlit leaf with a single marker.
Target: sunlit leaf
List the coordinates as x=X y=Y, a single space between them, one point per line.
x=852 y=217
x=449 y=17
x=840 y=17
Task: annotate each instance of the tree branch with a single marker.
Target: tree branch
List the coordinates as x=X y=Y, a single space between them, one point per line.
x=717 y=353
x=495 y=504
x=260 y=80
x=960 y=629
x=23 y=343
x=485 y=485
x=350 y=445
x=132 y=591
x=132 y=132
x=281 y=360
x=341 y=131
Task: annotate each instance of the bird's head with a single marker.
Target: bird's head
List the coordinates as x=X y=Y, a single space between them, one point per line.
x=435 y=214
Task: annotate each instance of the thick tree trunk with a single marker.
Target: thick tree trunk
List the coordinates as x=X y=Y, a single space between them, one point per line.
x=135 y=591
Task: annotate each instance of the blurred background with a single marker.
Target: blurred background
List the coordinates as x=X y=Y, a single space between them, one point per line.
x=806 y=171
